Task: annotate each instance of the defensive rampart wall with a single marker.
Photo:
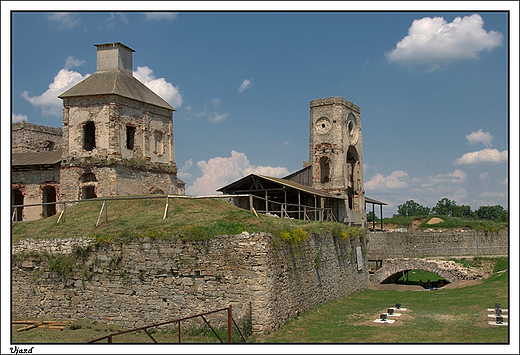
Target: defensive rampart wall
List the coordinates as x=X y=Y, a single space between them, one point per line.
x=432 y=243
x=146 y=281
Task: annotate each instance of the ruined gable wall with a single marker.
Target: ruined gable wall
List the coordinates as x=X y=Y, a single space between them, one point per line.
x=28 y=137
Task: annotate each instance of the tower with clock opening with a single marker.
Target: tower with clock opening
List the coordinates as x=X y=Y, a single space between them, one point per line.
x=336 y=155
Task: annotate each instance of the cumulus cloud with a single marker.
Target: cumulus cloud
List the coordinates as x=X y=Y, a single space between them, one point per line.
x=397 y=180
x=480 y=137
x=184 y=170
x=434 y=41
x=18 y=118
x=160 y=86
x=482 y=156
x=49 y=102
x=63 y=20
x=158 y=16
x=245 y=84
x=220 y=171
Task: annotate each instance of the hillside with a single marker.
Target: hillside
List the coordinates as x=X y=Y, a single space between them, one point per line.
x=191 y=219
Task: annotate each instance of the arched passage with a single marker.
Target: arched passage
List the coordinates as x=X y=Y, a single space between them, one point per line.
x=392 y=269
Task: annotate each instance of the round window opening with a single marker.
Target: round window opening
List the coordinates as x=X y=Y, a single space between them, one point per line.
x=351 y=127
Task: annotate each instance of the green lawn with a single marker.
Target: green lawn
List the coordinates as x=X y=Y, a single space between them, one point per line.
x=441 y=316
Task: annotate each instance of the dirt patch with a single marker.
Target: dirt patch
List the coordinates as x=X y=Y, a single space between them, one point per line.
x=460 y=284
x=434 y=220
x=414 y=225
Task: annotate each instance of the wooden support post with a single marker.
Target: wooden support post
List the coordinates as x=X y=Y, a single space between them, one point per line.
x=251 y=209
x=166 y=208
x=64 y=212
x=381 y=216
x=230 y=324
x=373 y=216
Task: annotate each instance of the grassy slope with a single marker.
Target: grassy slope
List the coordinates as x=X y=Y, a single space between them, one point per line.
x=192 y=219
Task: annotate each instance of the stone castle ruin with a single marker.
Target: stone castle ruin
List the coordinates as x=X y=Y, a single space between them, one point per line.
x=116 y=140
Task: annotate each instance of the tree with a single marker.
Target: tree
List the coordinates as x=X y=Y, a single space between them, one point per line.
x=491 y=212
x=371 y=217
x=412 y=208
x=445 y=207
x=463 y=211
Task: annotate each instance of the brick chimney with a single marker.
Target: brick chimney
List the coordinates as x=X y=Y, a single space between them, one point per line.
x=114 y=56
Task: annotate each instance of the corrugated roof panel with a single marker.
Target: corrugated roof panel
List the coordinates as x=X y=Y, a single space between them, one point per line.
x=37 y=158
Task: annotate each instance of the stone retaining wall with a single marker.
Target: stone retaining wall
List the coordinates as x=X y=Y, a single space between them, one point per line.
x=146 y=281
x=438 y=243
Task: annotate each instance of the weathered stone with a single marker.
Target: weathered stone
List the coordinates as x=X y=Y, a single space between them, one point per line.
x=279 y=282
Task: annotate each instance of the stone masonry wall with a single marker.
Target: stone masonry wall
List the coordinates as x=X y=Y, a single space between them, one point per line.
x=438 y=243
x=146 y=281
x=28 y=137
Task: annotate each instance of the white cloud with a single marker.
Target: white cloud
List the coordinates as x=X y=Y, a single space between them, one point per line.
x=48 y=101
x=63 y=20
x=433 y=41
x=482 y=156
x=245 y=84
x=483 y=176
x=397 y=180
x=220 y=171
x=110 y=21
x=18 y=118
x=480 y=137
x=217 y=118
x=183 y=171
x=71 y=62
x=160 y=86
x=158 y=16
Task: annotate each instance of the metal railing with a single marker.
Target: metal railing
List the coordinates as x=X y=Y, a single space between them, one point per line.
x=159 y=332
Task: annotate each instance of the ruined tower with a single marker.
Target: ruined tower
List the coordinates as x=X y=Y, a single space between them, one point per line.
x=336 y=155
x=117 y=133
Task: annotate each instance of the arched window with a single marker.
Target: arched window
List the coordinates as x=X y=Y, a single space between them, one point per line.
x=89 y=136
x=88 y=177
x=324 y=170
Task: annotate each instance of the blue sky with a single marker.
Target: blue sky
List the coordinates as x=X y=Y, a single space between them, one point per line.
x=432 y=87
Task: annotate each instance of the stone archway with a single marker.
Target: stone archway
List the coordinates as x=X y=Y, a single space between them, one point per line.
x=392 y=269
